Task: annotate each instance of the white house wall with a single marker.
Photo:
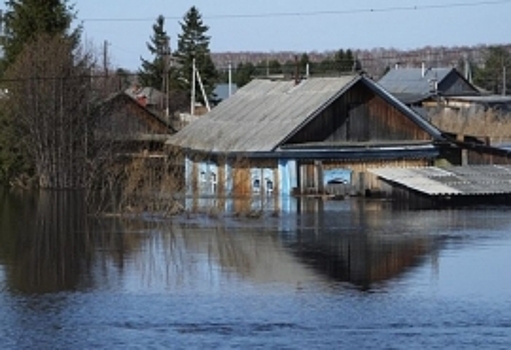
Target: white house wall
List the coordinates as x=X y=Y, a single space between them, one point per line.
x=207 y=182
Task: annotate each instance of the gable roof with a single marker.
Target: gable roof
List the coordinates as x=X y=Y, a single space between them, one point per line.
x=111 y=105
x=411 y=85
x=264 y=113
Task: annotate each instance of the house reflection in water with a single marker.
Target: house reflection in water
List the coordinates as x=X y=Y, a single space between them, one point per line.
x=314 y=244
x=358 y=242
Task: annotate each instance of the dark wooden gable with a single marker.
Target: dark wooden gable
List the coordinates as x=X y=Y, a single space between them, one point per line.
x=122 y=115
x=455 y=84
x=360 y=115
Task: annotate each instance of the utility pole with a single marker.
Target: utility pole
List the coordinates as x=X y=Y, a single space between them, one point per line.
x=230 y=79
x=192 y=102
x=203 y=91
x=504 y=82
x=166 y=76
x=105 y=58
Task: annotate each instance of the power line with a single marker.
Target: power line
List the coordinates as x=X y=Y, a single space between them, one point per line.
x=318 y=13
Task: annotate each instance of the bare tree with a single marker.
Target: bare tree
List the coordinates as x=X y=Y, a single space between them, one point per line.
x=48 y=103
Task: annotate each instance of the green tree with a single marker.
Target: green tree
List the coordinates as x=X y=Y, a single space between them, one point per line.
x=274 y=67
x=304 y=63
x=244 y=73
x=492 y=75
x=344 y=61
x=14 y=159
x=153 y=72
x=327 y=66
x=193 y=45
x=26 y=19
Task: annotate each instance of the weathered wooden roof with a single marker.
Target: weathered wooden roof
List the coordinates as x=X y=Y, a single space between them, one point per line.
x=461 y=180
x=264 y=113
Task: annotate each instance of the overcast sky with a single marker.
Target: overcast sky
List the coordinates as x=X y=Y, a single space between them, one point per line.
x=298 y=25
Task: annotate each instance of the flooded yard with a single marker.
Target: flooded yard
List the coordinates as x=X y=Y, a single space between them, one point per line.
x=320 y=274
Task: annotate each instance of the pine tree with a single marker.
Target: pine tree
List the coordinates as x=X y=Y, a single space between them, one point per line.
x=152 y=73
x=193 y=44
x=491 y=76
x=25 y=20
x=244 y=73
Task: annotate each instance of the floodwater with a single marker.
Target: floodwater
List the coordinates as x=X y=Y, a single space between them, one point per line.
x=327 y=275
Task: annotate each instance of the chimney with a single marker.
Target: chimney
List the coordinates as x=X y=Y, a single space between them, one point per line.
x=142 y=100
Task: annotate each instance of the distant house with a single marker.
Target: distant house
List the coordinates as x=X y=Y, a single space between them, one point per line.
x=128 y=122
x=318 y=136
x=432 y=91
x=148 y=97
x=416 y=86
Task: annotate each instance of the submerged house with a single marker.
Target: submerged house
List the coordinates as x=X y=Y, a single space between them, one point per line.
x=130 y=125
x=315 y=136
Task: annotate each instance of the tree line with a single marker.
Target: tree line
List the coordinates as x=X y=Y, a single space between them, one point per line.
x=340 y=62
x=488 y=64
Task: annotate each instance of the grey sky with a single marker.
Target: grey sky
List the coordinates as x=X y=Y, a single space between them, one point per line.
x=264 y=25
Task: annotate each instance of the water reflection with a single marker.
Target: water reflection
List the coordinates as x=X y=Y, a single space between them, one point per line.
x=48 y=244
x=69 y=281
x=358 y=242
x=44 y=242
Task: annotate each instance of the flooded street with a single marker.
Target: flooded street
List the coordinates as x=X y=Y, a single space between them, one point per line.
x=334 y=274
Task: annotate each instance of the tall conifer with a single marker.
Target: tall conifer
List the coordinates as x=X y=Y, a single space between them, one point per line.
x=153 y=71
x=193 y=43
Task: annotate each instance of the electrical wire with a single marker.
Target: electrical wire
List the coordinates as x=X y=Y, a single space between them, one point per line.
x=318 y=13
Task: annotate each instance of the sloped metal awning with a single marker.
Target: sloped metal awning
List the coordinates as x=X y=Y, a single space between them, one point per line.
x=477 y=180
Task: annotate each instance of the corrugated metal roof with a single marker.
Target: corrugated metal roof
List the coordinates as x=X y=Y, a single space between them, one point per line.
x=260 y=115
x=462 y=180
x=409 y=82
x=264 y=113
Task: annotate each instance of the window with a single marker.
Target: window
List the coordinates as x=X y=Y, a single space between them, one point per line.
x=256 y=185
x=269 y=186
x=213 y=182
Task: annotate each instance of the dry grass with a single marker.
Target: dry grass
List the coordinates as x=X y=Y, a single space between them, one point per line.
x=140 y=183
x=492 y=125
